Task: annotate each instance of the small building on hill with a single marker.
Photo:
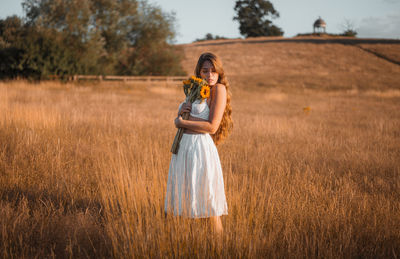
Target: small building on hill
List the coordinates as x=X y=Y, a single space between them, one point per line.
x=319 y=26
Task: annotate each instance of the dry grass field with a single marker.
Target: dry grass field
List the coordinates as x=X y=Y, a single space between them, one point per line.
x=304 y=62
x=309 y=173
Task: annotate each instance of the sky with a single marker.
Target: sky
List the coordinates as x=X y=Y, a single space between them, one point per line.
x=194 y=18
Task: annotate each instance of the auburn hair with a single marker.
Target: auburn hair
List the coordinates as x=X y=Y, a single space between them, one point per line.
x=226 y=125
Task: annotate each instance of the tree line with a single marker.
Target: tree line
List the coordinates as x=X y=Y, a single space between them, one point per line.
x=66 y=37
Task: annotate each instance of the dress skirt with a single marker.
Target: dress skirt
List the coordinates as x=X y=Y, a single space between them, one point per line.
x=195 y=187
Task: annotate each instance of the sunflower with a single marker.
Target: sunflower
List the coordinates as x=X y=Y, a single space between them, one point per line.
x=205 y=92
x=186 y=82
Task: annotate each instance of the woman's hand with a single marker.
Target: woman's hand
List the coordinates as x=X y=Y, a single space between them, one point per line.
x=186 y=107
x=178 y=121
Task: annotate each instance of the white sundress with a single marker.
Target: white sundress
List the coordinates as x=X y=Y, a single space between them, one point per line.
x=195 y=187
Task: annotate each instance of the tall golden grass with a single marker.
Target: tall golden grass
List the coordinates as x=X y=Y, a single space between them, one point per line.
x=84 y=171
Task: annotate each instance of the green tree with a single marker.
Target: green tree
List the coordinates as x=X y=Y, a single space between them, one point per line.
x=150 y=44
x=92 y=29
x=10 y=53
x=100 y=37
x=27 y=51
x=255 y=17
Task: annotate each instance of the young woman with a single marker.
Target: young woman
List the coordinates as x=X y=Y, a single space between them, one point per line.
x=195 y=187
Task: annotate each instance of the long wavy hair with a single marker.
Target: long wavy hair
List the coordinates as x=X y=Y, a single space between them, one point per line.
x=226 y=125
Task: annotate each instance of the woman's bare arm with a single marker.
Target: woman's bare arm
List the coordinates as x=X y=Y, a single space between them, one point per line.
x=185 y=107
x=217 y=107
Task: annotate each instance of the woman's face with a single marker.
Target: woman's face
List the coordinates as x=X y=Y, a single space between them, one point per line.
x=208 y=73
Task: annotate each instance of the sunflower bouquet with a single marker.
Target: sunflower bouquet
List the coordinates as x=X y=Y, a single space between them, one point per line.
x=195 y=89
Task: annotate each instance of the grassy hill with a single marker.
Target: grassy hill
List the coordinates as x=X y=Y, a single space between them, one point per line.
x=304 y=62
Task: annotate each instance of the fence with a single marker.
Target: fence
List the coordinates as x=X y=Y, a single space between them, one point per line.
x=166 y=79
